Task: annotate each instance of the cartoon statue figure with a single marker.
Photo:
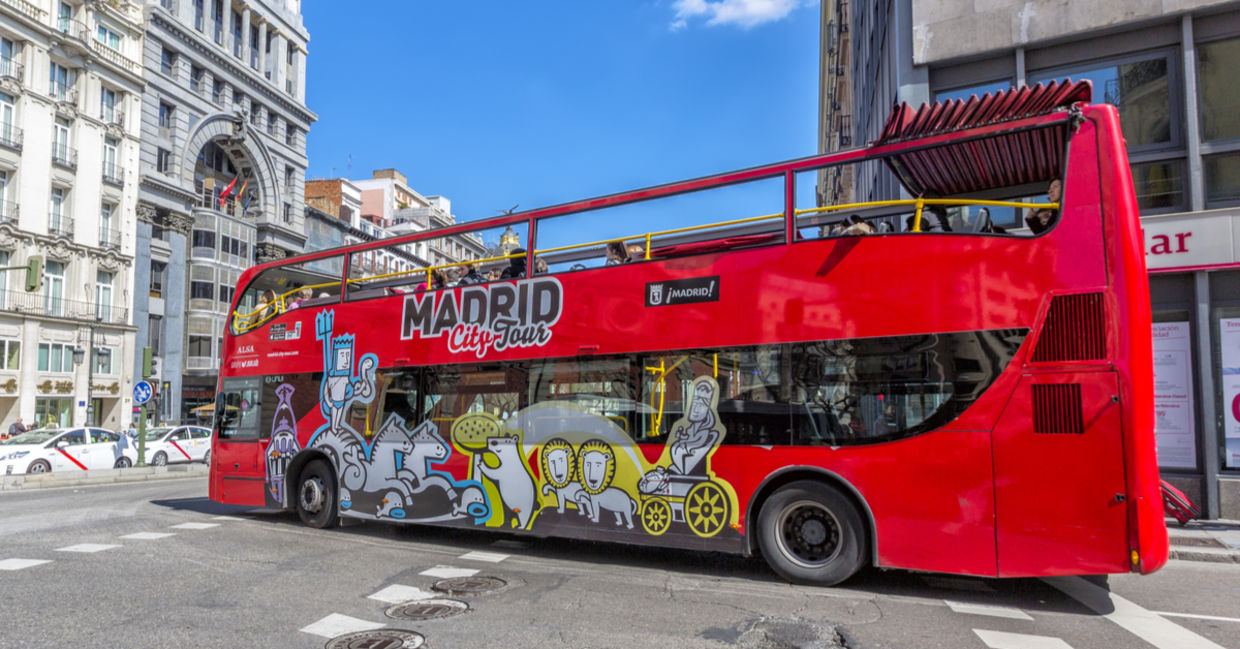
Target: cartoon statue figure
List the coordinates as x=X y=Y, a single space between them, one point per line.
x=511 y=478
x=341 y=386
x=559 y=466
x=695 y=441
x=598 y=469
x=283 y=445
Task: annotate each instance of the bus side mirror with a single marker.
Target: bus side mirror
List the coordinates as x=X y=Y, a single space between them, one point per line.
x=34 y=273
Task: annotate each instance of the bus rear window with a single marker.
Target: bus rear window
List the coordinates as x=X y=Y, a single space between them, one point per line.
x=237 y=410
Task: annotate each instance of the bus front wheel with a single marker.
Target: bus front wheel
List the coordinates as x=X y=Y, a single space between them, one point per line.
x=316 y=495
x=811 y=533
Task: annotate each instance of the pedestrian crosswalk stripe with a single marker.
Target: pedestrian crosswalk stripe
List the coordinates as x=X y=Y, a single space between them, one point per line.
x=448 y=572
x=148 y=536
x=193 y=526
x=226 y=518
x=1144 y=624
x=336 y=625
x=18 y=564
x=1002 y=640
x=490 y=557
x=987 y=609
x=397 y=594
x=87 y=547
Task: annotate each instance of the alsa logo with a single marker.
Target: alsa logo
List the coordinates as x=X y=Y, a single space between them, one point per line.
x=494 y=316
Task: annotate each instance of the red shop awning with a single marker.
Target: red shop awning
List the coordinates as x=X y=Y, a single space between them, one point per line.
x=998 y=159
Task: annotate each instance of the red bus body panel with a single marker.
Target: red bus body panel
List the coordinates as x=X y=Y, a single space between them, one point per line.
x=982 y=495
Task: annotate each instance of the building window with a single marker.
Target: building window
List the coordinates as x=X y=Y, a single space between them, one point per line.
x=254 y=46
x=58 y=219
x=55 y=357
x=1159 y=185
x=236 y=34
x=226 y=294
x=167 y=62
x=12 y=354
x=61 y=79
x=108 y=37
x=109 y=236
x=107 y=105
x=154 y=334
x=163 y=161
x=200 y=346
x=1220 y=121
x=217 y=91
x=288 y=212
x=167 y=120
x=202 y=290
x=103 y=295
x=204 y=239
x=199 y=14
x=64 y=22
x=105 y=361
x=290 y=134
x=256 y=113
x=217 y=12
x=1222 y=176
x=54 y=288
x=158 y=269
x=195 y=78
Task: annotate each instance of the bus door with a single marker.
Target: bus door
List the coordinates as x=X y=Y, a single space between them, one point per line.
x=1059 y=477
x=238 y=442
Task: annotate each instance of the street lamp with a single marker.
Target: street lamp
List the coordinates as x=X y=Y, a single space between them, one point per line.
x=78 y=355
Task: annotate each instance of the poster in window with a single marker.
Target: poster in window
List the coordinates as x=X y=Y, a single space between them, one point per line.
x=1229 y=344
x=1173 y=396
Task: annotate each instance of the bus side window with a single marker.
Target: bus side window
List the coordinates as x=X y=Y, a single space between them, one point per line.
x=237 y=409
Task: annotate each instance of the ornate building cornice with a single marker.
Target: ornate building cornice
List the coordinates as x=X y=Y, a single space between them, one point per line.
x=178 y=222
x=159 y=185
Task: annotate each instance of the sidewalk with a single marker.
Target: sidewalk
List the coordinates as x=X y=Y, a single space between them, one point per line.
x=1217 y=541
x=26 y=482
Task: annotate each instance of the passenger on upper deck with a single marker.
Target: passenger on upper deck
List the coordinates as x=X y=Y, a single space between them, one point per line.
x=299 y=296
x=637 y=252
x=933 y=219
x=540 y=266
x=516 y=265
x=1041 y=220
x=616 y=253
x=857 y=225
x=471 y=276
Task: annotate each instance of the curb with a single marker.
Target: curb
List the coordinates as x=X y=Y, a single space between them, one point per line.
x=27 y=482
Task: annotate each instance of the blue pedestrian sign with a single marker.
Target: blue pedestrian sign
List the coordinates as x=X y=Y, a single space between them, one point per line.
x=142 y=392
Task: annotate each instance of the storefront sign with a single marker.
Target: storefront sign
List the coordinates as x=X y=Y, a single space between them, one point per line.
x=1173 y=396
x=1198 y=239
x=1229 y=343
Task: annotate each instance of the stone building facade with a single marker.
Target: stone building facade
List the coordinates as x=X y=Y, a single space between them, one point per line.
x=70 y=92
x=223 y=161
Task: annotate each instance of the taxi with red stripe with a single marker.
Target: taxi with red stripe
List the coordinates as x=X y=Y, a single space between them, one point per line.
x=170 y=444
x=66 y=449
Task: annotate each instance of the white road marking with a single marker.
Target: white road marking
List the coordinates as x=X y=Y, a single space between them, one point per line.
x=397 y=594
x=448 y=572
x=987 y=609
x=1199 y=617
x=1138 y=621
x=87 y=547
x=337 y=624
x=1001 y=640
x=18 y=564
x=193 y=526
x=148 y=536
x=226 y=518
x=490 y=557
x=958 y=583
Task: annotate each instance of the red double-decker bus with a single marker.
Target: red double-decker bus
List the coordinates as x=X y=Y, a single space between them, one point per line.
x=959 y=382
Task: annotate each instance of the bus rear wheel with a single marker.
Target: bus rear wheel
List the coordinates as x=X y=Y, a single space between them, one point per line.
x=811 y=533
x=316 y=495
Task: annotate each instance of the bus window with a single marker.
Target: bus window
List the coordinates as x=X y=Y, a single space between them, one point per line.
x=600 y=386
x=238 y=408
x=497 y=390
x=289 y=286
x=398 y=394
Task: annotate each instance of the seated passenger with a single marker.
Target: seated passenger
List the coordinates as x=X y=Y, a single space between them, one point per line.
x=933 y=219
x=857 y=225
x=516 y=265
x=616 y=253
x=471 y=276
x=1041 y=220
x=299 y=297
x=540 y=266
x=637 y=252
x=982 y=223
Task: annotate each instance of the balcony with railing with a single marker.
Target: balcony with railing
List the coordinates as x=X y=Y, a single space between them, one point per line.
x=10 y=137
x=59 y=224
x=113 y=116
x=114 y=56
x=110 y=238
x=74 y=29
x=62 y=91
x=12 y=69
x=64 y=155
x=9 y=212
x=43 y=304
x=113 y=174
x=28 y=8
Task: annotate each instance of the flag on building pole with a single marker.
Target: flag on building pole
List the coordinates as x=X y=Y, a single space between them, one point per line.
x=241 y=192
x=227 y=190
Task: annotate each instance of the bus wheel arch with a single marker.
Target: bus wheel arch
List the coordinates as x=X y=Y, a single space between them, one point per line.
x=790 y=475
x=292 y=476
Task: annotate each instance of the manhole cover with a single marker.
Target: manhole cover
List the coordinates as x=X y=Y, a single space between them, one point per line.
x=469 y=585
x=377 y=639
x=427 y=609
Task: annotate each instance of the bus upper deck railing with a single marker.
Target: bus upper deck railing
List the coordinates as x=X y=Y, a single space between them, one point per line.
x=265 y=311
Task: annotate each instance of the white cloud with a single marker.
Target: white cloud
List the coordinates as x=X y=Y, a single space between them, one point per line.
x=742 y=13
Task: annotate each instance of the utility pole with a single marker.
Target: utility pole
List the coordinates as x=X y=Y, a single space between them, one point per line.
x=146 y=374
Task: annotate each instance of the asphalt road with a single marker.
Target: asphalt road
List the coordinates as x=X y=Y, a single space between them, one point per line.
x=200 y=574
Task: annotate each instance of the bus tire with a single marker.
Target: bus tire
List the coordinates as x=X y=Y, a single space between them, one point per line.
x=811 y=533
x=316 y=495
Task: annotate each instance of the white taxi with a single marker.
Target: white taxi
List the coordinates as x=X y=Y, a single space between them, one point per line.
x=168 y=444
x=66 y=449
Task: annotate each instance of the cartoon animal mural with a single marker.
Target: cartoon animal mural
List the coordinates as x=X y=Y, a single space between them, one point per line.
x=390 y=477
x=598 y=470
x=559 y=468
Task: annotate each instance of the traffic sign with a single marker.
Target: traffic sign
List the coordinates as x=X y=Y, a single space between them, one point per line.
x=142 y=392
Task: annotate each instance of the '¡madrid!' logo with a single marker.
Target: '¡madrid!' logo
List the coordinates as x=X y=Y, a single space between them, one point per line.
x=656 y=294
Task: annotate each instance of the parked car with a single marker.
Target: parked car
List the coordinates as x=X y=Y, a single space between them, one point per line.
x=168 y=444
x=66 y=449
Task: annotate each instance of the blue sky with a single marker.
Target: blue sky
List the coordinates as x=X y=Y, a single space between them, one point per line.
x=495 y=104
